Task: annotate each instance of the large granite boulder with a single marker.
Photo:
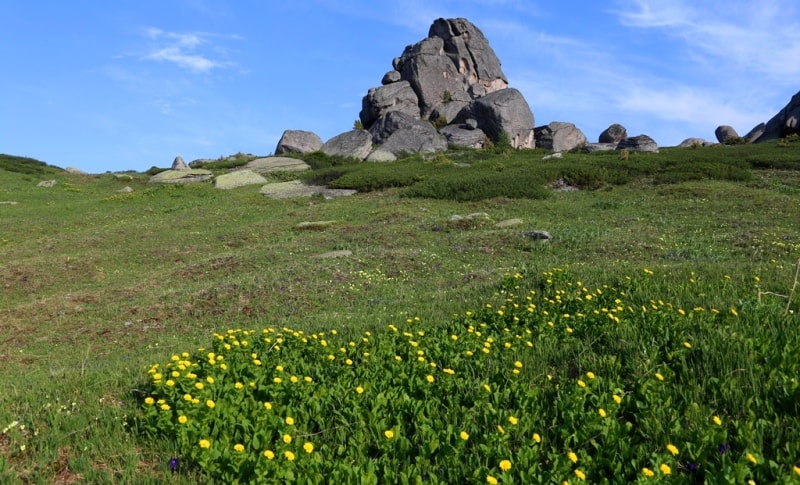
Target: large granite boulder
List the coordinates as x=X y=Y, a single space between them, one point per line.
x=396 y=96
x=559 y=137
x=505 y=111
x=298 y=141
x=613 y=134
x=755 y=133
x=181 y=176
x=398 y=133
x=693 y=143
x=351 y=144
x=725 y=133
x=786 y=122
x=463 y=136
x=275 y=164
x=641 y=143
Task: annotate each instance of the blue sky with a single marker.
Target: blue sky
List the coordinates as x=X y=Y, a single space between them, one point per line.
x=130 y=84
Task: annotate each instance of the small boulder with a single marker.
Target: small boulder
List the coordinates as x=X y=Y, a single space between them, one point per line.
x=538 y=235
x=179 y=164
x=298 y=141
x=613 y=134
x=125 y=190
x=239 y=178
x=296 y=188
x=725 y=133
x=599 y=147
x=351 y=144
x=380 y=155
x=641 y=143
x=559 y=137
x=390 y=77
x=463 y=137
x=74 y=171
x=47 y=183
x=693 y=142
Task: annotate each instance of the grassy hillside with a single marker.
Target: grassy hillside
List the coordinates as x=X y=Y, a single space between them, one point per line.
x=99 y=286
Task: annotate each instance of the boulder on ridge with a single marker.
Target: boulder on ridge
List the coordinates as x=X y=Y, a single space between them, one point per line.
x=559 y=137
x=298 y=141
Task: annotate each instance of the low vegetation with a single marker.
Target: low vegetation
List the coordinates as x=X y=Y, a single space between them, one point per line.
x=191 y=335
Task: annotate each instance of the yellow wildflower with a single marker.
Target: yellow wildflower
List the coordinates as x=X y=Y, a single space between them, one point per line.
x=491 y=480
x=182 y=419
x=308 y=447
x=505 y=465
x=602 y=412
x=289 y=455
x=537 y=438
x=672 y=449
x=512 y=420
x=360 y=390
x=665 y=469
x=464 y=435
x=290 y=420
x=580 y=474
x=238 y=447
x=149 y=401
x=287 y=439
x=389 y=434
x=572 y=457
x=717 y=421
x=210 y=404
x=205 y=444
x=648 y=472
x=752 y=458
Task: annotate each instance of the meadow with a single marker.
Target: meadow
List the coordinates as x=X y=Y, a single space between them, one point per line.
x=192 y=335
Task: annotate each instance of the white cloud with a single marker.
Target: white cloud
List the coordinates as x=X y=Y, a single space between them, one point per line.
x=181 y=50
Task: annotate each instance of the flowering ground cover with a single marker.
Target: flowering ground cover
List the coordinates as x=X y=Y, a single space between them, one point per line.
x=555 y=382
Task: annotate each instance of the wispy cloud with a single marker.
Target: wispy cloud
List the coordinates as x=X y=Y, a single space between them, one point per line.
x=182 y=49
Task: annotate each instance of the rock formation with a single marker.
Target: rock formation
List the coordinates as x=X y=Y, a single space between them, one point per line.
x=725 y=133
x=179 y=164
x=559 y=137
x=298 y=141
x=613 y=134
x=786 y=122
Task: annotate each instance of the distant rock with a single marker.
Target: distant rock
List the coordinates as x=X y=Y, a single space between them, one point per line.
x=239 y=178
x=275 y=164
x=786 y=122
x=640 y=143
x=74 y=171
x=756 y=133
x=351 y=144
x=599 y=147
x=505 y=111
x=187 y=176
x=613 y=134
x=125 y=190
x=47 y=183
x=725 y=133
x=341 y=253
x=316 y=225
x=296 y=188
x=538 y=235
x=179 y=164
x=553 y=155
x=392 y=76
x=298 y=141
x=123 y=176
x=559 y=137
x=509 y=223
x=693 y=142
x=380 y=156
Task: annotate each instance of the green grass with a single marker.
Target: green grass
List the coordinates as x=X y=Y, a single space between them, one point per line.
x=99 y=286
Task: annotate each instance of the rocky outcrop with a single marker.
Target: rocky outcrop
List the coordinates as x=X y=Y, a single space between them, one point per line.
x=505 y=111
x=599 y=147
x=351 y=144
x=397 y=132
x=298 y=141
x=786 y=122
x=464 y=136
x=755 y=133
x=725 y=133
x=179 y=164
x=641 y=143
x=694 y=142
x=296 y=188
x=613 y=134
x=559 y=137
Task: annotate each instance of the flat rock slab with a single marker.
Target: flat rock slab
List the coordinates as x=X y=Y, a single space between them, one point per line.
x=296 y=188
x=276 y=164
x=181 y=176
x=240 y=178
x=9 y=202
x=344 y=253
x=510 y=223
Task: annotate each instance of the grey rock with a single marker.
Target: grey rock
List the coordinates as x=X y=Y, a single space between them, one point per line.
x=559 y=137
x=471 y=124
x=74 y=171
x=379 y=155
x=786 y=122
x=298 y=141
x=390 y=77
x=599 y=147
x=275 y=164
x=351 y=144
x=538 y=235
x=693 y=142
x=197 y=163
x=123 y=176
x=397 y=96
x=179 y=164
x=397 y=132
x=756 y=133
x=191 y=175
x=125 y=190
x=449 y=112
x=505 y=111
x=613 y=134
x=553 y=155
x=47 y=183
x=472 y=216
x=640 y=143
x=9 y=202
x=296 y=188
x=239 y=178
x=725 y=133
x=462 y=137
